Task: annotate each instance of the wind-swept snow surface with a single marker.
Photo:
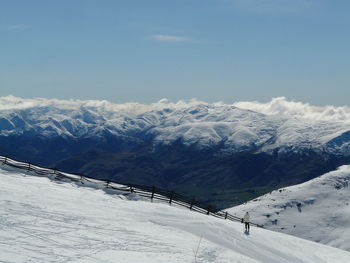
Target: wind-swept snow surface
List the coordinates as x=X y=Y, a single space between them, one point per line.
x=317 y=210
x=52 y=221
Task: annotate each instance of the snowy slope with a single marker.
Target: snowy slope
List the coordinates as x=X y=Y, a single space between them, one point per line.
x=317 y=210
x=279 y=124
x=52 y=221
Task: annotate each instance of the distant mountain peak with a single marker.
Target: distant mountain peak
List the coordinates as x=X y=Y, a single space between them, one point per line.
x=240 y=126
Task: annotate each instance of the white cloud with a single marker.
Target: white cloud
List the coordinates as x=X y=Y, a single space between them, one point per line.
x=170 y=38
x=277 y=106
x=14 y=27
x=16 y=103
x=281 y=106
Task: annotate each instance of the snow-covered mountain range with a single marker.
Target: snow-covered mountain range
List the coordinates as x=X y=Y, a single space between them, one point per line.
x=221 y=153
x=241 y=126
x=52 y=221
x=317 y=210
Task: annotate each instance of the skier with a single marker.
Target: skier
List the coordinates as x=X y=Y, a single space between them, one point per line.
x=246 y=220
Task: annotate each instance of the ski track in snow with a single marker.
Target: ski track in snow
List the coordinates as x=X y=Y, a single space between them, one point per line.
x=49 y=221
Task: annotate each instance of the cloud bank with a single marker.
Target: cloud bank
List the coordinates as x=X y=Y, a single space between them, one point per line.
x=16 y=103
x=281 y=106
x=277 y=106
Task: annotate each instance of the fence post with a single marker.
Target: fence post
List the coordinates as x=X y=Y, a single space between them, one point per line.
x=5 y=161
x=171 y=197
x=192 y=203
x=131 y=189
x=28 y=169
x=153 y=190
x=208 y=210
x=107 y=184
x=226 y=215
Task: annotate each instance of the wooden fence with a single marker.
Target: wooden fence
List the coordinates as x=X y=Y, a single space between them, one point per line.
x=154 y=193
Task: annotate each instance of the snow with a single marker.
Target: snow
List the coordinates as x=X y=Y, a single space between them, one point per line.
x=44 y=220
x=239 y=126
x=318 y=210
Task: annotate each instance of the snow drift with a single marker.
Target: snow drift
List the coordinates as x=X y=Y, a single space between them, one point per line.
x=317 y=210
x=53 y=221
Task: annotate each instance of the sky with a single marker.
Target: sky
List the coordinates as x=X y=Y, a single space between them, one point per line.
x=143 y=51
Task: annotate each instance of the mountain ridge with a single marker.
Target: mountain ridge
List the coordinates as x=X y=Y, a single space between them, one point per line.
x=206 y=125
x=316 y=210
x=222 y=152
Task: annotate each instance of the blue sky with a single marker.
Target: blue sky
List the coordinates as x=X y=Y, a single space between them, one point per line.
x=145 y=50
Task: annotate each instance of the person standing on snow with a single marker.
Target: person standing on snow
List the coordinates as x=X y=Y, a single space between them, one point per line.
x=246 y=220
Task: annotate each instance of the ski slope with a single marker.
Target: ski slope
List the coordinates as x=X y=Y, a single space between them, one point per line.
x=318 y=210
x=43 y=220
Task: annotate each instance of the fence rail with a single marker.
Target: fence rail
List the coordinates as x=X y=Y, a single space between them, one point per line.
x=151 y=192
